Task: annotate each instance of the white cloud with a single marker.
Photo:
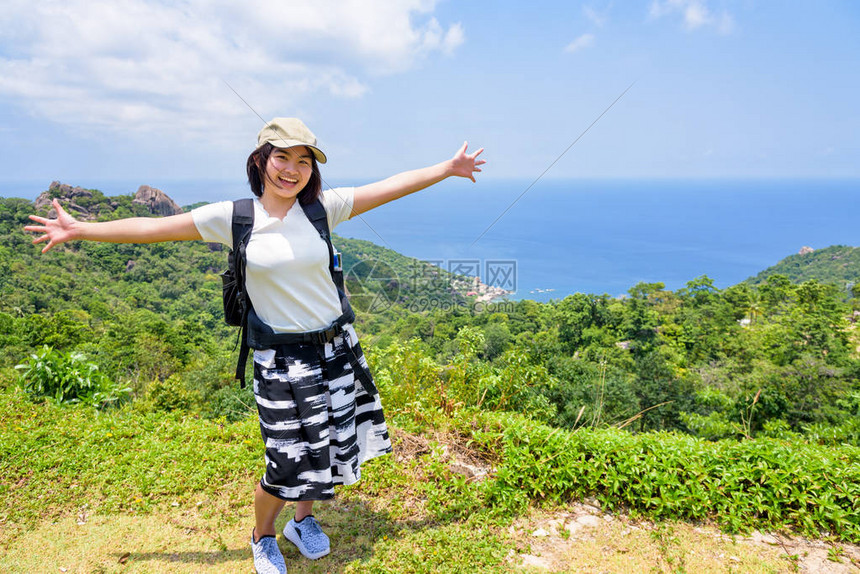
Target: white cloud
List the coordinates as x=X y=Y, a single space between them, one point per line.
x=435 y=38
x=695 y=14
x=582 y=42
x=726 y=24
x=596 y=17
x=148 y=66
x=454 y=37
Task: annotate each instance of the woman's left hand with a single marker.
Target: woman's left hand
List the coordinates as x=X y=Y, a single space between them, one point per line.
x=464 y=165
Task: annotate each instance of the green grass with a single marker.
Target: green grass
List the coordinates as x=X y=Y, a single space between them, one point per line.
x=174 y=490
x=116 y=461
x=62 y=463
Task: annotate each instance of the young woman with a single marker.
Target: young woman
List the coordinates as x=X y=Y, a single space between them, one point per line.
x=320 y=414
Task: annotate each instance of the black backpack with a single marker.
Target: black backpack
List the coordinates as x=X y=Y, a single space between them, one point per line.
x=237 y=305
x=233 y=279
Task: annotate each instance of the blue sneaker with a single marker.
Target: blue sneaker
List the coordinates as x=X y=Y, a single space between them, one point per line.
x=308 y=537
x=267 y=556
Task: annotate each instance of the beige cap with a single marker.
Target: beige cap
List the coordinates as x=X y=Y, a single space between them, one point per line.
x=289 y=132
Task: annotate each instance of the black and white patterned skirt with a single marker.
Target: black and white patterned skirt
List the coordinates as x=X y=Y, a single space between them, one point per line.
x=320 y=416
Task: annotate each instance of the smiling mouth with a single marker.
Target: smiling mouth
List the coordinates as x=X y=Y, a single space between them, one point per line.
x=288 y=180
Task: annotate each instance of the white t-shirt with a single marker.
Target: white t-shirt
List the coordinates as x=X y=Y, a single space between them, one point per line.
x=287 y=269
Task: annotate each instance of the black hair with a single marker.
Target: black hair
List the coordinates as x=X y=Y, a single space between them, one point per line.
x=256 y=168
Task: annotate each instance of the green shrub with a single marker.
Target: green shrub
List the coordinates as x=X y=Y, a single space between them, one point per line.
x=824 y=434
x=712 y=427
x=170 y=394
x=231 y=403
x=762 y=483
x=68 y=378
x=407 y=379
x=778 y=428
x=517 y=384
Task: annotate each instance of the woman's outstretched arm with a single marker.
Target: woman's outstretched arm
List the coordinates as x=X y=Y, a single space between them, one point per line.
x=132 y=230
x=375 y=194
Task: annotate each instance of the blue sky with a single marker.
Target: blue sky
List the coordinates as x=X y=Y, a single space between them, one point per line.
x=136 y=90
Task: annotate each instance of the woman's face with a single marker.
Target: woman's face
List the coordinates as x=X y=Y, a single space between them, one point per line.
x=288 y=171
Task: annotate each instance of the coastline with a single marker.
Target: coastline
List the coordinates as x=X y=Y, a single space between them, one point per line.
x=474 y=287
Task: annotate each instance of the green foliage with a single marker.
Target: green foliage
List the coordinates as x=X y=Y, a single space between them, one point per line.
x=169 y=395
x=230 y=403
x=715 y=425
x=146 y=313
x=846 y=433
x=838 y=265
x=414 y=383
x=591 y=394
x=67 y=378
x=377 y=277
x=751 y=484
x=497 y=340
x=407 y=378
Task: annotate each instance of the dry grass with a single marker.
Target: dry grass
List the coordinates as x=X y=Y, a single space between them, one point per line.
x=198 y=540
x=586 y=541
x=153 y=543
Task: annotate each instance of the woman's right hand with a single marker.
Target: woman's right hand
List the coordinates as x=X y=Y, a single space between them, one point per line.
x=64 y=228
x=55 y=231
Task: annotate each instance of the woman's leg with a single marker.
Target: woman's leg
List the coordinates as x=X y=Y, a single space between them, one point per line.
x=266 y=510
x=304 y=508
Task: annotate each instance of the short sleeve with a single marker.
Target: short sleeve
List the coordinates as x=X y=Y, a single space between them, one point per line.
x=338 y=204
x=214 y=222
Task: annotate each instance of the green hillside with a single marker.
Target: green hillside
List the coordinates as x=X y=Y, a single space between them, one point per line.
x=838 y=264
x=689 y=360
x=180 y=278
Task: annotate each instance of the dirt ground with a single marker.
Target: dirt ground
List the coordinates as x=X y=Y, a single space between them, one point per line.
x=584 y=539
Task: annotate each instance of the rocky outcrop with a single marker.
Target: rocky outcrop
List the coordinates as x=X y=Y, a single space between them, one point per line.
x=61 y=190
x=85 y=204
x=156 y=200
x=69 y=196
x=805 y=249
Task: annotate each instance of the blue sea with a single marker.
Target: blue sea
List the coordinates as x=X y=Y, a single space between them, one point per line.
x=591 y=236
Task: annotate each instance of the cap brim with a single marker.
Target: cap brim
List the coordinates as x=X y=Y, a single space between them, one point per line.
x=285 y=143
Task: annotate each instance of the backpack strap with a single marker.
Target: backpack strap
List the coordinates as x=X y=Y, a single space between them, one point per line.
x=242 y=225
x=316 y=213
